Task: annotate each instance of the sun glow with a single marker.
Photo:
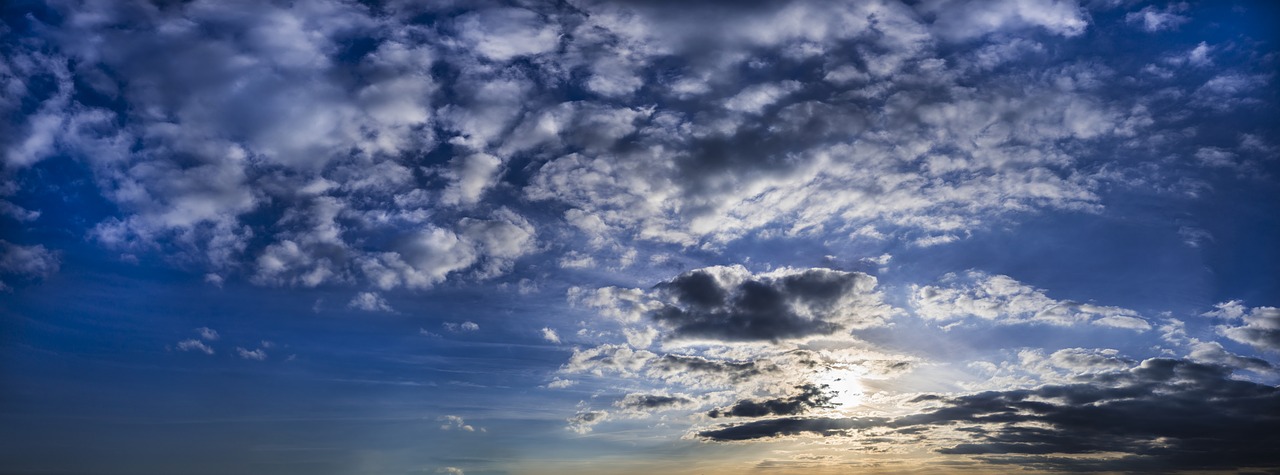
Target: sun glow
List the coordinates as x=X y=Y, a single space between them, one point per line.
x=847 y=386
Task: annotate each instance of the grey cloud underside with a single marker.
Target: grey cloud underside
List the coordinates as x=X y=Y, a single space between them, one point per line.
x=1159 y=415
x=809 y=397
x=725 y=304
x=403 y=145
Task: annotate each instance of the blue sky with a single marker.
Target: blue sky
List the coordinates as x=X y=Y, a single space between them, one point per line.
x=638 y=236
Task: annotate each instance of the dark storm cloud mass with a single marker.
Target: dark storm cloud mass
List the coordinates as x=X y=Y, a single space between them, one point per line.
x=724 y=304
x=1161 y=414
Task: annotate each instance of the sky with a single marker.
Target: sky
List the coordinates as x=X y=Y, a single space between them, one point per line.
x=639 y=236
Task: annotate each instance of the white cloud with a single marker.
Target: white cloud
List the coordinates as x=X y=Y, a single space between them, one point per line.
x=256 y=354
x=195 y=345
x=370 y=302
x=1153 y=19
x=207 y=333
x=30 y=262
x=502 y=34
x=960 y=20
x=1005 y=301
x=550 y=335
x=472 y=175
x=1258 y=326
x=451 y=422
x=461 y=327
x=754 y=99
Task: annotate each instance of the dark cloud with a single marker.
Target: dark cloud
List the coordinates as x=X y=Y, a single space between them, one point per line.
x=652 y=402
x=1164 y=414
x=725 y=304
x=810 y=397
x=728 y=370
x=791 y=426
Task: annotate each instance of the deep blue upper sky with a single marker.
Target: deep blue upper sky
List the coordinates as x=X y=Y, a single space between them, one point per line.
x=592 y=236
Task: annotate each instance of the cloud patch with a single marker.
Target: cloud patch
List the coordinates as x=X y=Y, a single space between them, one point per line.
x=1005 y=301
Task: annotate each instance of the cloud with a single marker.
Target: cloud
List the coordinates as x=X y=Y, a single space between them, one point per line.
x=31 y=262
x=502 y=34
x=207 y=333
x=450 y=471
x=258 y=354
x=809 y=397
x=550 y=335
x=1158 y=415
x=370 y=302
x=731 y=304
x=294 y=160
x=452 y=422
x=584 y=421
x=1258 y=327
x=195 y=345
x=1003 y=300
x=654 y=402
x=1152 y=19
x=960 y=20
x=461 y=327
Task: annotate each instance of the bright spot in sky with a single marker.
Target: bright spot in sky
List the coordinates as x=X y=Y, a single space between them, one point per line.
x=847 y=386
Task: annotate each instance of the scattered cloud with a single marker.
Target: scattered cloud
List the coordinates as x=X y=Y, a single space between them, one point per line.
x=258 y=354
x=1160 y=414
x=1003 y=300
x=195 y=345
x=451 y=422
x=461 y=327
x=1152 y=19
x=33 y=262
x=1258 y=326
x=207 y=333
x=370 y=302
x=583 y=422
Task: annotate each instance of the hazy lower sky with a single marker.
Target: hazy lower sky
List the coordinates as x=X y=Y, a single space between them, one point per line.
x=638 y=236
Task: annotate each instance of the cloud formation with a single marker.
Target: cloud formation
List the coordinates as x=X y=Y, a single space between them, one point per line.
x=1003 y=300
x=1160 y=414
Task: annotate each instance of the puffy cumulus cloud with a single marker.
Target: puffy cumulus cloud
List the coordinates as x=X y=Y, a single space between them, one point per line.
x=286 y=150
x=1258 y=327
x=1003 y=300
x=31 y=262
x=1155 y=415
x=931 y=164
x=501 y=34
x=329 y=142
x=550 y=335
